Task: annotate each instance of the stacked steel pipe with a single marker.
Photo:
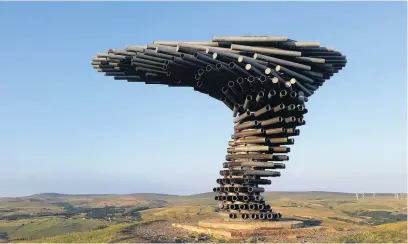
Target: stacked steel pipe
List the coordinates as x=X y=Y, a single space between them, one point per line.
x=264 y=80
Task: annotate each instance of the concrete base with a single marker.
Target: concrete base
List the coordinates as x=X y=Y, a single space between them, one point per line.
x=233 y=229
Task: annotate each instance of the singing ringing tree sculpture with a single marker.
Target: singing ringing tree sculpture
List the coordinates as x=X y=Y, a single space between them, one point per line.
x=264 y=80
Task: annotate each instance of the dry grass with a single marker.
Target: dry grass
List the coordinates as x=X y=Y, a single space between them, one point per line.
x=388 y=233
x=96 y=236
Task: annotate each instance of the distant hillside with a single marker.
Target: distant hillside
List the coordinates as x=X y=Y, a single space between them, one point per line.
x=56 y=201
x=176 y=198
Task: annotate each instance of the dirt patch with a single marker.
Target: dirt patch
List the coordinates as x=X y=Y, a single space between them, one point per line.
x=156 y=232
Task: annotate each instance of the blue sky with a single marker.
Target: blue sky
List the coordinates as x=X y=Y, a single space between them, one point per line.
x=66 y=128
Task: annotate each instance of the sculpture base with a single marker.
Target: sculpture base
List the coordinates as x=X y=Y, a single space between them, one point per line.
x=234 y=229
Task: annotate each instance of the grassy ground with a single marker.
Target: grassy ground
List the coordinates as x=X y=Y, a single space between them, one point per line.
x=341 y=216
x=387 y=233
x=96 y=236
x=47 y=226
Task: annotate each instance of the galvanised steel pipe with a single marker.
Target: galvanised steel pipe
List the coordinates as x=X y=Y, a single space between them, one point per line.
x=252 y=140
x=265 y=50
x=252 y=69
x=153 y=67
x=241 y=71
x=236 y=91
x=147 y=61
x=281 y=62
x=262 y=173
x=246 y=125
x=250 y=39
x=255 y=156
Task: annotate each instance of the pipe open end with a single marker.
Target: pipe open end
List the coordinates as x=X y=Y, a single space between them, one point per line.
x=283 y=93
x=173 y=58
x=208 y=68
x=280 y=118
x=231 y=65
x=224 y=90
x=168 y=73
x=293 y=94
x=248 y=97
x=272 y=93
x=240 y=80
x=230 y=84
x=281 y=106
x=251 y=79
x=256 y=122
x=195 y=55
x=262 y=78
x=197 y=77
x=261 y=94
x=201 y=71
x=218 y=66
x=268 y=107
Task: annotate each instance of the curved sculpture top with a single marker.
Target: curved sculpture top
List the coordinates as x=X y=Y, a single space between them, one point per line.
x=264 y=79
x=237 y=70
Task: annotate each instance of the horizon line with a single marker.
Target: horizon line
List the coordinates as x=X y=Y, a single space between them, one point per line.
x=186 y=195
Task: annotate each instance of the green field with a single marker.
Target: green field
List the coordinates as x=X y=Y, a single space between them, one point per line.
x=48 y=226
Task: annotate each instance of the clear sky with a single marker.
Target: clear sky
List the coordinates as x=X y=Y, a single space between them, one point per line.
x=66 y=128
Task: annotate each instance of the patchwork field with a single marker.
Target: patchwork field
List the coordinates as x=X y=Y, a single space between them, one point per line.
x=338 y=217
